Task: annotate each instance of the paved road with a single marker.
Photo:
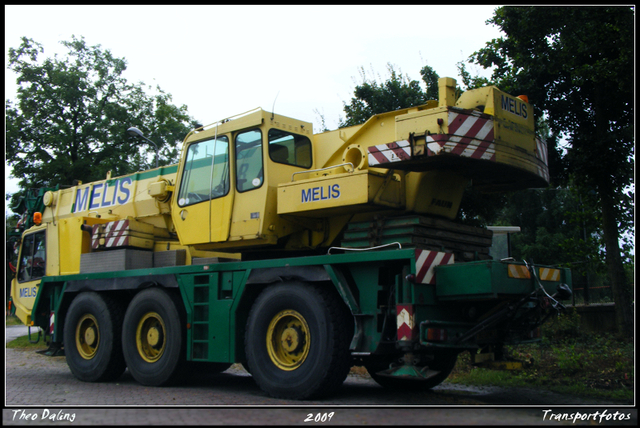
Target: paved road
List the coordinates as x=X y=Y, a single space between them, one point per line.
x=14 y=331
x=44 y=389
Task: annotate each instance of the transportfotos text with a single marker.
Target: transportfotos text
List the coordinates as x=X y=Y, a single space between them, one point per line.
x=597 y=416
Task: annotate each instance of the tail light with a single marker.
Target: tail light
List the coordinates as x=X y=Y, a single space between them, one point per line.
x=436 y=334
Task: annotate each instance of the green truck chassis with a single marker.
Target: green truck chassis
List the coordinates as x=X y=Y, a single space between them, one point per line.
x=297 y=324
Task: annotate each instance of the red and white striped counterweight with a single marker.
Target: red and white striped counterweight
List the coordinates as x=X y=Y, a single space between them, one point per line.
x=470 y=134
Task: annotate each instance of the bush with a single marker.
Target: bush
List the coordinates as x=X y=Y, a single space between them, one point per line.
x=565 y=328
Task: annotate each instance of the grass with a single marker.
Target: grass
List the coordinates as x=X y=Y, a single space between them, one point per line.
x=567 y=360
x=12 y=320
x=23 y=342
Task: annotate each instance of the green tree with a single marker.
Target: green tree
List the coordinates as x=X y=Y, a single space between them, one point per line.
x=71 y=116
x=555 y=228
x=398 y=91
x=10 y=255
x=430 y=79
x=576 y=65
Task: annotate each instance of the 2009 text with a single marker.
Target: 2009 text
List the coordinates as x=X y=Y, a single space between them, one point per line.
x=319 y=417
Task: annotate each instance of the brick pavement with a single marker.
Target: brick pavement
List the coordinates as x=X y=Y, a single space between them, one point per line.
x=36 y=382
x=279 y=416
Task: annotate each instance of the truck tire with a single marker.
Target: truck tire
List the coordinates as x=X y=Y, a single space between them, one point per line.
x=92 y=343
x=153 y=340
x=444 y=363
x=297 y=341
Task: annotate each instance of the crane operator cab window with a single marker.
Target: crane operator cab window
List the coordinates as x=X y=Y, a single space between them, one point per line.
x=206 y=171
x=32 y=257
x=289 y=149
x=249 y=171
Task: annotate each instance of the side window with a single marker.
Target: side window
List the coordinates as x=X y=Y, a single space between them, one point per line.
x=249 y=171
x=206 y=172
x=33 y=257
x=289 y=149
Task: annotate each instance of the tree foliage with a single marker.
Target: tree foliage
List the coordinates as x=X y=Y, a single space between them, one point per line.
x=555 y=227
x=71 y=115
x=397 y=92
x=576 y=65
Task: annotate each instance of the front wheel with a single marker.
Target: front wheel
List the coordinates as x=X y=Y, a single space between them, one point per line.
x=297 y=341
x=152 y=338
x=92 y=337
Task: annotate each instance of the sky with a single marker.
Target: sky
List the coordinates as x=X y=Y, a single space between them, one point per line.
x=222 y=60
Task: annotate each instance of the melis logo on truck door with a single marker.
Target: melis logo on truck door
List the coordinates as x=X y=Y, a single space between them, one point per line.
x=103 y=195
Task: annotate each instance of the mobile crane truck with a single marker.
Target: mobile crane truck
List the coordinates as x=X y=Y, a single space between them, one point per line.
x=296 y=254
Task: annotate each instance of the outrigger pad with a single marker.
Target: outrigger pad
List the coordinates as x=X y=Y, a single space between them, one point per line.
x=409 y=372
x=52 y=351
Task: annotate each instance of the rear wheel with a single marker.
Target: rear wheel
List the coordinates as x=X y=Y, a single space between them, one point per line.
x=152 y=338
x=297 y=341
x=92 y=337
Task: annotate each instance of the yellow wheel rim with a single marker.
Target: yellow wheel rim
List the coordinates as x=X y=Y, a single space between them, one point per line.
x=288 y=340
x=151 y=337
x=87 y=336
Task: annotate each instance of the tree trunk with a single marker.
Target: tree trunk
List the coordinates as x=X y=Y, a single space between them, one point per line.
x=615 y=267
x=606 y=189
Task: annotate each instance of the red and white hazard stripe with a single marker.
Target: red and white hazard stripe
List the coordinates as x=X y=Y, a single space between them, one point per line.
x=470 y=125
x=470 y=135
x=426 y=262
x=115 y=233
x=542 y=154
x=52 y=320
x=392 y=152
x=406 y=322
x=471 y=148
x=95 y=236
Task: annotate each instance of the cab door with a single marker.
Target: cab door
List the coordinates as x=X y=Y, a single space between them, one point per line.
x=32 y=264
x=202 y=209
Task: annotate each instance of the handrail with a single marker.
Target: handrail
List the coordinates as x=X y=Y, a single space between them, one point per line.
x=323 y=169
x=227 y=119
x=365 y=249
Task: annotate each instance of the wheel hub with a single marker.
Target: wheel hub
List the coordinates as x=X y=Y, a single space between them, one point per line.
x=87 y=336
x=90 y=336
x=150 y=337
x=153 y=337
x=288 y=340
x=291 y=339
